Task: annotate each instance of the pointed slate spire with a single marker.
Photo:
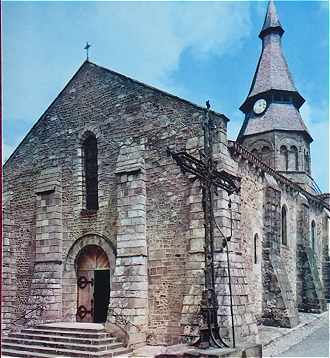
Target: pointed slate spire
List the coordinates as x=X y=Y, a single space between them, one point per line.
x=272 y=73
x=272 y=81
x=272 y=22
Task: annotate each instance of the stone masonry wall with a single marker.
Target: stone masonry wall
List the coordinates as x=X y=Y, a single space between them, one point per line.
x=19 y=233
x=129 y=291
x=252 y=189
x=46 y=286
x=8 y=308
x=309 y=263
x=326 y=257
x=288 y=251
x=114 y=108
x=279 y=306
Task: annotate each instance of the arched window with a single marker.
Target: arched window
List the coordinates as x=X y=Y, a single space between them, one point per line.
x=284 y=157
x=255 y=247
x=307 y=162
x=265 y=153
x=90 y=170
x=293 y=158
x=313 y=235
x=284 y=226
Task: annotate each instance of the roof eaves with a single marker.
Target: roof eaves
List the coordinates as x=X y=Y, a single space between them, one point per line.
x=236 y=147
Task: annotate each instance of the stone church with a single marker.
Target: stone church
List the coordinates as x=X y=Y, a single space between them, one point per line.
x=100 y=225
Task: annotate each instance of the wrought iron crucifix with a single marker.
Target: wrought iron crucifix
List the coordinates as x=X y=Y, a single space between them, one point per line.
x=205 y=170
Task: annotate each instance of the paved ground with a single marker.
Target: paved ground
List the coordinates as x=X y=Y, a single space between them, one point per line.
x=315 y=345
x=277 y=341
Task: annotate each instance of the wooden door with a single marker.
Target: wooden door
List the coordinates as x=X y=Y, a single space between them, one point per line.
x=91 y=259
x=85 y=306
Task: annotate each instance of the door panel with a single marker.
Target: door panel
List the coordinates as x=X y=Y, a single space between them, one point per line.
x=85 y=304
x=93 y=284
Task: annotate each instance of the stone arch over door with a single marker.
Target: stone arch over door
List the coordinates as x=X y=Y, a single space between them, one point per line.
x=69 y=295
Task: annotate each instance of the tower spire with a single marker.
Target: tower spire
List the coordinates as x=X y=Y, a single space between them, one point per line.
x=272 y=22
x=273 y=129
x=272 y=73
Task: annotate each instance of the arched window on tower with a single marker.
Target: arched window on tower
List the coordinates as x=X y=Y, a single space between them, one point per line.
x=255 y=248
x=293 y=158
x=266 y=153
x=284 y=226
x=307 y=161
x=90 y=171
x=313 y=235
x=284 y=157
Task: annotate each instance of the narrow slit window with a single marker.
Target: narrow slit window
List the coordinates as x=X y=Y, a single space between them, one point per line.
x=284 y=157
x=313 y=234
x=91 y=175
x=255 y=246
x=284 y=226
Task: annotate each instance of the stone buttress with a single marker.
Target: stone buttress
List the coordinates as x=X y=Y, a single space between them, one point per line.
x=279 y=307
x=311 y=291
x=129 y=292
x=45 y=299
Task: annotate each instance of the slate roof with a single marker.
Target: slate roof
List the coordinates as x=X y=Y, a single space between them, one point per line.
x=278 y=116
x=272 y=76
x=271 y=21
x=272 y=71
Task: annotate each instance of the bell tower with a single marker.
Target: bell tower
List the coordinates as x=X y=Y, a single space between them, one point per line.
x=273 y=129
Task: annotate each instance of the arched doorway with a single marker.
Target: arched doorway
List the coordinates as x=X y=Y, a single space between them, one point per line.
x=93 y=284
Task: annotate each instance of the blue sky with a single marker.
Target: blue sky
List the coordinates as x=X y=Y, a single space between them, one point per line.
x=196 y=50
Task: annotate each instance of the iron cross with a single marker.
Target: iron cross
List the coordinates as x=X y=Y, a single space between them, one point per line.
x=205 y=170
x=87 y=48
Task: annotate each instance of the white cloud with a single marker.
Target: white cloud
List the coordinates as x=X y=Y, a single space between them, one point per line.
x=151 y=37
x=144 y=40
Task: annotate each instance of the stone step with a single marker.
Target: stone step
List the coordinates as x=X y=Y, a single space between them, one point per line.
x=99 y=334
x=61 y=345
x=81 y=327
x=58 y=338
x=22 y=350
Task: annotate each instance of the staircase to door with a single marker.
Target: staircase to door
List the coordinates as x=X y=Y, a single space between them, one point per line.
x=63 y=340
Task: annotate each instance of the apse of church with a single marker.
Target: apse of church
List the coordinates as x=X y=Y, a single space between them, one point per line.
x=100 y=225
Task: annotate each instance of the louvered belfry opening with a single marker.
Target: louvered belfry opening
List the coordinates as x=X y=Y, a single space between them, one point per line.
x=91 y=177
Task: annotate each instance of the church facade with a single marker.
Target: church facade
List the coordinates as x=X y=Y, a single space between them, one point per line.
x=100 y=225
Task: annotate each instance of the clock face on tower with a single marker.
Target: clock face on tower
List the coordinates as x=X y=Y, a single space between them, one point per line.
x=260 y=106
